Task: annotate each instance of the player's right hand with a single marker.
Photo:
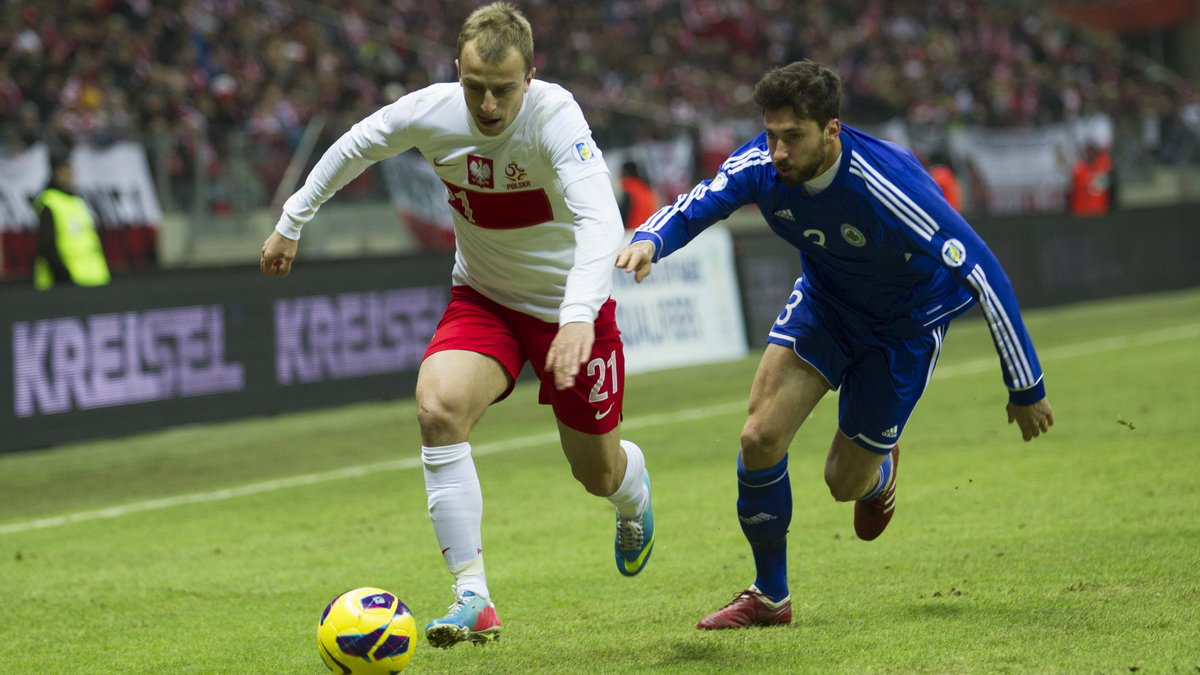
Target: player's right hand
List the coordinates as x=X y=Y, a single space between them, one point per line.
x=1034 y=420
x=278 y=252
x=638 y=258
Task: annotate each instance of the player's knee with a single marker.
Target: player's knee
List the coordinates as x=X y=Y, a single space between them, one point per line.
x=441 y=421
x=759 y=444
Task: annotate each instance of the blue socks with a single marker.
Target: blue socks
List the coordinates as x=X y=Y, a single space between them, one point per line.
x=885 y=474
x=764 y=509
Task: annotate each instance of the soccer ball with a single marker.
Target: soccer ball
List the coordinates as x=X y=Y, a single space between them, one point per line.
x=366 y=631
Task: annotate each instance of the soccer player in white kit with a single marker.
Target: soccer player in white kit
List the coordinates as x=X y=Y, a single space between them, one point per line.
x=537 y=227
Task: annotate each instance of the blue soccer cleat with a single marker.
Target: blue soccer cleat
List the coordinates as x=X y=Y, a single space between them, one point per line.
x=471 y=617
x=635 y=538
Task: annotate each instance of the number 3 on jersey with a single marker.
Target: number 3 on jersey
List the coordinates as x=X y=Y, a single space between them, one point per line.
x=786 y=314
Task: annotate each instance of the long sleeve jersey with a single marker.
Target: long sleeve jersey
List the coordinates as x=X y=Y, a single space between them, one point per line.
x=536 y=221
x=880 y=245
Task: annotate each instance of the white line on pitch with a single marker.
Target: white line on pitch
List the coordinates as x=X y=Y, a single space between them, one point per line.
x=943 y=371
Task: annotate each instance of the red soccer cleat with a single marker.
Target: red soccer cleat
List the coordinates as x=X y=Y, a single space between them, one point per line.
x=872 y=518
x=749 y=608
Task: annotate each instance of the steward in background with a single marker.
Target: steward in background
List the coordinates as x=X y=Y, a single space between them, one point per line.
x=1091 y=183
x=638 y=200
x=68 y=247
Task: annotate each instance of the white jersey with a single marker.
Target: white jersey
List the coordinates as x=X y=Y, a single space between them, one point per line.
x=535 y=218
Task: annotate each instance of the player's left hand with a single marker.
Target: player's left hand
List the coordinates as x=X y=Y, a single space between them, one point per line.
x=570 y=349
x=638 y=258
x=1034 y=420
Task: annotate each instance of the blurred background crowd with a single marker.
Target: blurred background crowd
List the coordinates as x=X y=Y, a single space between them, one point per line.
x=227 y=88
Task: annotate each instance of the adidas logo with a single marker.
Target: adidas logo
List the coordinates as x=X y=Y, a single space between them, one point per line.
x=786 y=214
x=891 y=433
x=756 y=520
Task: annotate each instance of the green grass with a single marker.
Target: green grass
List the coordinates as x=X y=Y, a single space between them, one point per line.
x=1079 y=552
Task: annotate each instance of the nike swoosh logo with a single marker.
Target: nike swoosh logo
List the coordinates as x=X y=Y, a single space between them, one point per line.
x=634 y=566
x=604 y=414
x=437 y=163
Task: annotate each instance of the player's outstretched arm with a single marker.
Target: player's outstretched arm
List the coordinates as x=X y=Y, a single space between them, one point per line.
x=638 y=258
x=278 y=252
x=1034 y=419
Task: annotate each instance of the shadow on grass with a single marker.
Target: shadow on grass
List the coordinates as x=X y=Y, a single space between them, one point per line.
x=722 y=651
x=690 y=651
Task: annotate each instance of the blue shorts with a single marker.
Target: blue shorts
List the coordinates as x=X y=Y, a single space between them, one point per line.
x=879 y=377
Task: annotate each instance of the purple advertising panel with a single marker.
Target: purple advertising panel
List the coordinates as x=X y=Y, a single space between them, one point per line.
x=187 y=346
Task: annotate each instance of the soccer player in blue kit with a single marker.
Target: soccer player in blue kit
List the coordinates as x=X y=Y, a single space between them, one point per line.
x=887 y=263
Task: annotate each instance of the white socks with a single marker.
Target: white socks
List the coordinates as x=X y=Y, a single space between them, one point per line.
x=456 y=508
x=630 y=498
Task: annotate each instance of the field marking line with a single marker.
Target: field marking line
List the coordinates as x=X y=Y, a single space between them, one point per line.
x=943 y=371
x=1108 y=344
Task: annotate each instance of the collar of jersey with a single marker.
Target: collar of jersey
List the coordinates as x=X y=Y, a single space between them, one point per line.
x=818 y=185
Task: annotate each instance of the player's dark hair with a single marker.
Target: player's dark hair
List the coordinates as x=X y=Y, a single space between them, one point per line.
x=497 y=28
x=812 y=91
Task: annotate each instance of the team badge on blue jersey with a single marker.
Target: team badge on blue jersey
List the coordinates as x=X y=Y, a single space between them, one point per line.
x=584 y=152
x=954 y=253
x=719 y=182
x=853 y=235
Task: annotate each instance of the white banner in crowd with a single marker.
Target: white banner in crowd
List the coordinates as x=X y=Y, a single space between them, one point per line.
x=686 y=312
x=667 y=165
x=1022 y=170
x=22 y=177
x=115 y=181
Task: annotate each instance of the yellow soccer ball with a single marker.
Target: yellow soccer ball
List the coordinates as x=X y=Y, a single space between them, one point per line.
x=366 y=631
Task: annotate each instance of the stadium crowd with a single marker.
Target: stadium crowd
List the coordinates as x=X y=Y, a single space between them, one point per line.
x=203 y=74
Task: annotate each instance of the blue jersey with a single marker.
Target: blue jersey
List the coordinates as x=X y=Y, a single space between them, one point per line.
x=880 y=245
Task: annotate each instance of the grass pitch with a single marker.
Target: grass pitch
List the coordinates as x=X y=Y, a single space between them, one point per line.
x=213 y=549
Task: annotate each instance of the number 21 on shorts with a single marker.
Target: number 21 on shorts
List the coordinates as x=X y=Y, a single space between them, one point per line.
x=597 y=368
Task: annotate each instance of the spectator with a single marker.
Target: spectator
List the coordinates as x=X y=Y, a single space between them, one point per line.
x=68 y=248
x=638 y=200
x=254 y=69
x=942 y=174
x=1091 y=182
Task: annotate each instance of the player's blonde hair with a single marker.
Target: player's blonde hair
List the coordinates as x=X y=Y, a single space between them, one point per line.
x=496 y=28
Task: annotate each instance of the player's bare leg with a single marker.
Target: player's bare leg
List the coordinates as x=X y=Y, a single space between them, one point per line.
x=609 y=467
x=454 y=388
x=784 y=393
x=597 y=460
x=854 y=473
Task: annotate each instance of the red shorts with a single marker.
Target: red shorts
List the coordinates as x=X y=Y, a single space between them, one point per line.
x=476 y=324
